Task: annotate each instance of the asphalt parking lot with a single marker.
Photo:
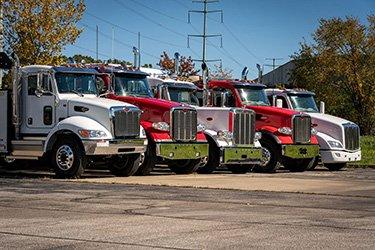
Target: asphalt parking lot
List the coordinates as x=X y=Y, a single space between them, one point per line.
x=317 y=209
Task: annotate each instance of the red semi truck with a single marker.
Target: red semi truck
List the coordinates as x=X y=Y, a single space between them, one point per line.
x=288 y=137
x=174 y=136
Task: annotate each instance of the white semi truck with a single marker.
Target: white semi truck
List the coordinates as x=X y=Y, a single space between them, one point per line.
x=54 y=113
x=338 y=138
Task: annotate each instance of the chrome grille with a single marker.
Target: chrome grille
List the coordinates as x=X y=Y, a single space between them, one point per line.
x=243 y=127
x=352 y=134
x=301 y=128
x=126 y=122
x=184 y=124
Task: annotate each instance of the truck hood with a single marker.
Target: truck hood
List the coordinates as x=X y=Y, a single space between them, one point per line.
x=330 y=125
x=93 y=100
x=278 y=116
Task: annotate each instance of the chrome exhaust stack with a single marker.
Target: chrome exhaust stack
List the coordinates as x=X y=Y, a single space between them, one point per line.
x=244 y=73
x=136 y=56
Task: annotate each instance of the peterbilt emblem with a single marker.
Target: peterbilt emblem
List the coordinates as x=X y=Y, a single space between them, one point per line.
x=302 y=151
x=126 y=109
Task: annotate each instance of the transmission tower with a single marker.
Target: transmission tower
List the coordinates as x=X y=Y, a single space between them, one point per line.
x=204 y=36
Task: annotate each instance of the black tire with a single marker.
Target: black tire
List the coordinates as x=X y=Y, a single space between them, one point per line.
x=61 y=153
x=296 y=165
x=124 y=165
x=184 y=166
x=8 y=163
x=271 y=150
x=335 y=166
x=239 y=168
x=313 y=163
x=213 y=161
x=149 y=160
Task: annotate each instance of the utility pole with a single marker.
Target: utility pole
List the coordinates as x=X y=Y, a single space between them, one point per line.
x=139 y=49
x=204 y=36
x=1 y=41
x=273 y=65
x=97 y=42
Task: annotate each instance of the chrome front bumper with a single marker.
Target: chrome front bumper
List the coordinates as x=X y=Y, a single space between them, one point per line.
x=297 y=151
x=182 y=151
x=340 y=156
x=240 y=155
x=126 y=146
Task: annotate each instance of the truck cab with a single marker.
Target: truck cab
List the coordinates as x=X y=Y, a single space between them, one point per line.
x=174 y=135
x=233 y=142
x=57 y=115
x=338 y=138
x=287 y=136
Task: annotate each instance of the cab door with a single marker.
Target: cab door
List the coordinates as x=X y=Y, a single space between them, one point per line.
x=39 y=104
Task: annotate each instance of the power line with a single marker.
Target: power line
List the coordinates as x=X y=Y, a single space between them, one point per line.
x=159 y=12
x=116 y=40
x=90 y=50
x=134 y=32
x=149 y=19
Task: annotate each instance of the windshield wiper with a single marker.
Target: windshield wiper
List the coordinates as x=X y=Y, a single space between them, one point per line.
x=76 y=92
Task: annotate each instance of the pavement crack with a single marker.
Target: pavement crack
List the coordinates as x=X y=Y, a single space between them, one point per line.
x=92 y=241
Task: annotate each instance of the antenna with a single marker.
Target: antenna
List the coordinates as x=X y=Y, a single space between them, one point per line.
x=204 y=36
x=97 y=42
x=113 y=40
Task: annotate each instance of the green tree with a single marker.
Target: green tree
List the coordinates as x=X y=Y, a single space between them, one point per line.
x=37 y=31
x=340 y=67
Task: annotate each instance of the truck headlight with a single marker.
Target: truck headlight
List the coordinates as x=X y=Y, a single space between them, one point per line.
x=314 y=131
x=258 y=136
x=285 y=130
x=201 y=127
x=334 y=144
x=85 y=133
x=163 y=126
x=225 y=134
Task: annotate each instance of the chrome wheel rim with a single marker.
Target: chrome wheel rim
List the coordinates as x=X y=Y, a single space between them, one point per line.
x=65 y=157
x=266 y=157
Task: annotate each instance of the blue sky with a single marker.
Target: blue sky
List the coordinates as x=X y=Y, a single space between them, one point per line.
x=252 y=30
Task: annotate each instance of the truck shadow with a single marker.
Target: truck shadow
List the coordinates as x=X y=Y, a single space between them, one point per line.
x=35 y=170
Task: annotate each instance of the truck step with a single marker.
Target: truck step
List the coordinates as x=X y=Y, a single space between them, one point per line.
x=27 y=148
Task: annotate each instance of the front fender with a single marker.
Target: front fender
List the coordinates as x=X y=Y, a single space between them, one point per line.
x=74 y=124
x=218 y=141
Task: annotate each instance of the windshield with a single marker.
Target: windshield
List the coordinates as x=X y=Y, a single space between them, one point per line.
x=253 y=96
x=183 y=95
x=304 y=103
x=76 y=83
x=132 y=85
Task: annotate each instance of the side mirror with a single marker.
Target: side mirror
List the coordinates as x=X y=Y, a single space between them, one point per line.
x=163 y=93
x=279 y=103
x=322 y=107
x=39 y=93
x=224 y=97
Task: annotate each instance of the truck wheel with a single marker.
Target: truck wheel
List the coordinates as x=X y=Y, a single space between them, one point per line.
x=213 y=161
x=239 y=169
x=8 y=163
x=296 y=165
x=335 y=166
x=68 y=158
x=270 y=157
x=313 y=163
x=149 y=160
x=184 y=166
x=124 y=165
